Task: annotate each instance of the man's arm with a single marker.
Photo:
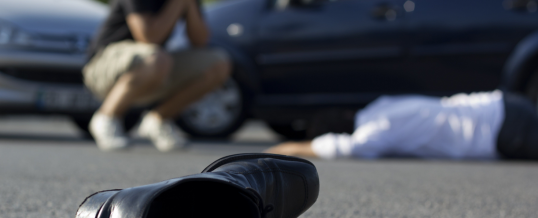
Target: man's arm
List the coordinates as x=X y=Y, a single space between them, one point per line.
x=155 y=28
x=197 y=31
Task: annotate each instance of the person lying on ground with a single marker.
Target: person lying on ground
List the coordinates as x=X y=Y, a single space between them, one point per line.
x=128 y=66
x=486 y=125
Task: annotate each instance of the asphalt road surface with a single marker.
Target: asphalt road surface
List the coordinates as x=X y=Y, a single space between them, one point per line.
x=46 y=170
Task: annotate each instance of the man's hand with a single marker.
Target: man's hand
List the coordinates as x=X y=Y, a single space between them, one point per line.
x=155 y=28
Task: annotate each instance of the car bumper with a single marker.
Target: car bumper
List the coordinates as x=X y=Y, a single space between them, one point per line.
x=41 y=59
x=19 y=96
x=33 y=95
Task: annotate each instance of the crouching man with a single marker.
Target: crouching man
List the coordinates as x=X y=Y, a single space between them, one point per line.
x=487 y=125
x=128 y=66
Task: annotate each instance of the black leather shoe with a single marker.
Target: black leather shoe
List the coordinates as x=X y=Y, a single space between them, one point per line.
x=240 y=185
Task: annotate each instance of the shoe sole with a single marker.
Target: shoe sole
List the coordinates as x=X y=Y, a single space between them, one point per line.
x=244 y=156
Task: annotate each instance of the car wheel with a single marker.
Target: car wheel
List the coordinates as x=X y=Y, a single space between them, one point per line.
x=83 y=122
x=532 y=88
x=217 y=115
x=289 y=131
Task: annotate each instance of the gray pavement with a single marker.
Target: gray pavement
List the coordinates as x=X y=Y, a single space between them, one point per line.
x=46 y=171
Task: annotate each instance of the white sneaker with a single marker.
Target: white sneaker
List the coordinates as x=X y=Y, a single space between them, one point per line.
x=163 y=133
x=108 y=133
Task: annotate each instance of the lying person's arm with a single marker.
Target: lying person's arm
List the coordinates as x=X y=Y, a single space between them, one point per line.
x=327 y=146
x=155 y=28
x=293 y=149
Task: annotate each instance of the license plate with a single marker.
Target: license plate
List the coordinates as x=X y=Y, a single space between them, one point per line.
x=67 y=100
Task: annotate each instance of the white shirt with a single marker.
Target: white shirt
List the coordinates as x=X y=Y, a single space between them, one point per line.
x=461 y=126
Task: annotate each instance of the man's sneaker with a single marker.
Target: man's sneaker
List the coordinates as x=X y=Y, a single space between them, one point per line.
x=163 y=133
x=108 y=133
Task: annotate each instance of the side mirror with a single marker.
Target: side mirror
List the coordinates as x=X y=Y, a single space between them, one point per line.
x=306 y=3
x=385 y=12
x=283 y=4
x=311 y=2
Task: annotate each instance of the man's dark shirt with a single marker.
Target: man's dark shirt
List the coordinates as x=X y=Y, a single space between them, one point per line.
x=115 y=27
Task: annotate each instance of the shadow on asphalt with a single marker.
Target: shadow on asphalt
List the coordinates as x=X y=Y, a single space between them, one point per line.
x=139 y=141
x=28 y=137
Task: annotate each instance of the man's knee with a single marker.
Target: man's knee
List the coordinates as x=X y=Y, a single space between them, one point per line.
x=154 y=70
x=220 y=72
x=160 y=64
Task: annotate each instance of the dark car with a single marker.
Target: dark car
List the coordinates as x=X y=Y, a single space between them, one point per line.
x=293 y=57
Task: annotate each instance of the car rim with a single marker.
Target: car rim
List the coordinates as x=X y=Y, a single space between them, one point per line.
x=216 y=111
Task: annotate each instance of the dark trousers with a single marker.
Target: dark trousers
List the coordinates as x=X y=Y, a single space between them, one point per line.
x=518 y=137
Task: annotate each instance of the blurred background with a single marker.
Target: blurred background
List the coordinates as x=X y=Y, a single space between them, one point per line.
x=294 y=61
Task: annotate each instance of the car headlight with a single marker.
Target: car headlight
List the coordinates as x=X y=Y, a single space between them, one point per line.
x=10 y=35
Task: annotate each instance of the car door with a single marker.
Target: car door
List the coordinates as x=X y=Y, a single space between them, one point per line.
x=332 y=51
x=462 y=45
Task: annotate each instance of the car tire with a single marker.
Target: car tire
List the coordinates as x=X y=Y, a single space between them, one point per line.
x=83 y=122
x=289 y=131
x=532 y=88
x=217 y=115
